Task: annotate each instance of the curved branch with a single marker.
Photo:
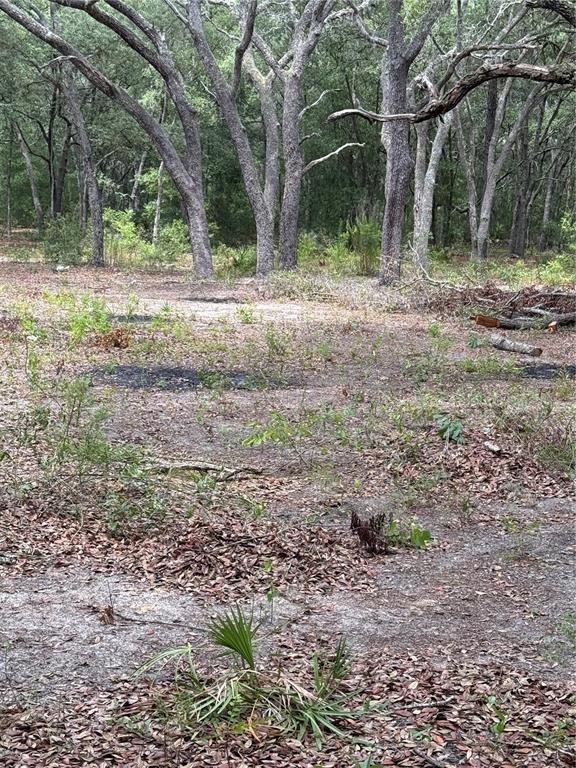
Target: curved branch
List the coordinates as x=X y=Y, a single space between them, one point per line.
x=314 y=163
x=563 y=8
x=560 y=74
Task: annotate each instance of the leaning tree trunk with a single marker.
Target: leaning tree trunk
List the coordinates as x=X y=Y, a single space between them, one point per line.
x=264 y=86
x=31 y=173
x=263 y=216
x=293 y=172
x=89 y=169
x=184 y=173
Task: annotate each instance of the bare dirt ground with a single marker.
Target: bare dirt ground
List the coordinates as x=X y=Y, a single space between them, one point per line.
x=314 y=409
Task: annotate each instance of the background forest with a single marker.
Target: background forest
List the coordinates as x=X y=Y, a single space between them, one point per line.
x=253 y=134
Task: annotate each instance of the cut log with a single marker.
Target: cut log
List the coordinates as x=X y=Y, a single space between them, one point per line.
x=525 y=323
x=486 y=320
x=501 y=342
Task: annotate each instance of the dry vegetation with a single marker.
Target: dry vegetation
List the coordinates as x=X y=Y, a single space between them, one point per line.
x=171 y=450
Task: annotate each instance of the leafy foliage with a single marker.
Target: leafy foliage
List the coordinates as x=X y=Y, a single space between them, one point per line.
x=450 y=428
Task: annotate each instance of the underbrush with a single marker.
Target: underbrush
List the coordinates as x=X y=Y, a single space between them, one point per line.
x=549 y=269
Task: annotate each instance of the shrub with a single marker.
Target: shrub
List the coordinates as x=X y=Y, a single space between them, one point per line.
x=64 y=242
x=234 y=262
x=171 y=246
x=364 y=235
x=123 y=242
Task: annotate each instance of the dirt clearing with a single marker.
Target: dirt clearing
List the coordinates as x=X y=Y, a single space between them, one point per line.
x=215 y=459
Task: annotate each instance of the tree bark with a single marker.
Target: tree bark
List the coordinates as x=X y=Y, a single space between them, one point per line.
x=466 y=154
x=9 y=183
x=136 y=184
x=523 y=180
x=399 y=164
x=501 y=342
x=59 y=174
x=420 y=167
x=399 y=55
x=293 y=171
x=263 y=216
x=496 y=162
x=543 y=241
x=264 y=86
x=158 y=207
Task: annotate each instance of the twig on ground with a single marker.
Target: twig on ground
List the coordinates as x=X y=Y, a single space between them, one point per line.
x=429 y=759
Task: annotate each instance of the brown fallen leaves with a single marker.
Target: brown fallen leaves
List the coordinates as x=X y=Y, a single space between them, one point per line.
x=223 y=555
x=423 y=712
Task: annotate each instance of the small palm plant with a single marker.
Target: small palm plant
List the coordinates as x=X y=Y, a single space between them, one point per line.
x=246 y=695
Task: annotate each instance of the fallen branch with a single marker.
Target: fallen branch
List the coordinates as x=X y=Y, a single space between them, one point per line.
x=167 y=465
x=501 y=342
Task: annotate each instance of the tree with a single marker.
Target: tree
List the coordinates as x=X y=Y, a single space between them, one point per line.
x=185 y=172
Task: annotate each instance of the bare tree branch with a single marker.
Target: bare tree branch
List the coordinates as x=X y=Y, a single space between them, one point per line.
x=268 y=56
x=366 y=33
x=315 y=103
x=319 y=160
x=415 y=45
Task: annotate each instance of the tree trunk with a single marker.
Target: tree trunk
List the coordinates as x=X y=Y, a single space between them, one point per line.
x=420 y=167
x=545 y=228
x=89 y=169
x=186 y=174
x=399 y=164
x=136 y=184
x=264 y=218
x=520 y=220
x=158 y=209
x=496 y=163
x=193 y=204
x=59 y=174
x=293 y=172
x=9 y=183
x=31 y=173
x=264 y=86
x=424 y=224
x=466 y=155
